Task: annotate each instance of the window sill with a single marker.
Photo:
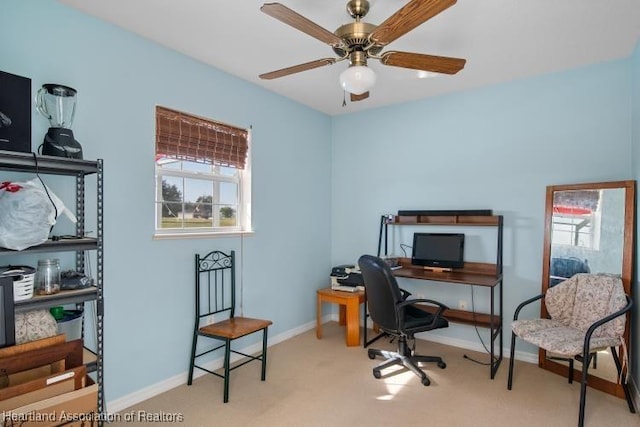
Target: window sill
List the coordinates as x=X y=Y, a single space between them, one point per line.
x=209 y=235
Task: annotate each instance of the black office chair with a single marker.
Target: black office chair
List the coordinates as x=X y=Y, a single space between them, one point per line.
x=215 y=300
x=398 y=317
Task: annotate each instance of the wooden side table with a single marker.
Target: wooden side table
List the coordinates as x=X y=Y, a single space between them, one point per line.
x=349 y=312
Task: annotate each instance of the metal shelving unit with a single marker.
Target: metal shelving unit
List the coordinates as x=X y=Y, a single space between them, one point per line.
x=32 y=163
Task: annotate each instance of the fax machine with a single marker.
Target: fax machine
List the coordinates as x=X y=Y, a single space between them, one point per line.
x=346 y=278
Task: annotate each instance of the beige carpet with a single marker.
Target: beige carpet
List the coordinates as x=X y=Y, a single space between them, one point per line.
x=313 y=382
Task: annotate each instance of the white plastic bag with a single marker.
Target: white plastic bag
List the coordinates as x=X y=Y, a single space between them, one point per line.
x=27 y=213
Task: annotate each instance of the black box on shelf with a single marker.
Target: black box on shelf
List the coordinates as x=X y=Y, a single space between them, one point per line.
x=459 y=212
x=15 y=112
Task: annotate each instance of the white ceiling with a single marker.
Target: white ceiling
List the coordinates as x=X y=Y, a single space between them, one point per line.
x=501 y=40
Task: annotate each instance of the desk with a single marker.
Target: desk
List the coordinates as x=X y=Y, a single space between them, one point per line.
x=349 y=312
x=485 y=275
x=472 y=274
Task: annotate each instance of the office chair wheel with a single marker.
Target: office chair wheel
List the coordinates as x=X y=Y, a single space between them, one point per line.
x=377 y=374
x=442 y=365
x=372 y=355
x=425 y=381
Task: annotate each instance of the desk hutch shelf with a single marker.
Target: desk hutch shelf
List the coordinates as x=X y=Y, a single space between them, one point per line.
x=485 y=275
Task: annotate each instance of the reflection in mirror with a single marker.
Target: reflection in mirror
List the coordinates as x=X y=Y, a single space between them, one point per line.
x=589 y=229
x=602 y=365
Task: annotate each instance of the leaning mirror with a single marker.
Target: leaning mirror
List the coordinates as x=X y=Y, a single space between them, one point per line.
x=589 y=228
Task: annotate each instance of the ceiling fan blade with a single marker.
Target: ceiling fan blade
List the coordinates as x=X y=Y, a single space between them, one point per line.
x=297 y=68
x=360 y=97
x=407 y=18
x=419 y=61
x=299 y=22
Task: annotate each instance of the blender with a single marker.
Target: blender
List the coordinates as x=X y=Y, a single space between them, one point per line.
x=57 y=103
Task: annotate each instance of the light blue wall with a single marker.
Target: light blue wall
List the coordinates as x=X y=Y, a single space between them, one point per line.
x=148 y=284
x=492 y=148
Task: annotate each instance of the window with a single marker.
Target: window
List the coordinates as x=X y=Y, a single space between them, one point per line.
x=202 y=175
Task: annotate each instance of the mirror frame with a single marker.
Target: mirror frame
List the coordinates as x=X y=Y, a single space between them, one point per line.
x=627 y=271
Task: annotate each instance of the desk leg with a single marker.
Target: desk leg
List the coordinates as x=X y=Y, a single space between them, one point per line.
x=342 y=318
x=319 y=317
x=353 y=322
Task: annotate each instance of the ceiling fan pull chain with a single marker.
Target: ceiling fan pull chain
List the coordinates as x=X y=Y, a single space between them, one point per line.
x=344 y=98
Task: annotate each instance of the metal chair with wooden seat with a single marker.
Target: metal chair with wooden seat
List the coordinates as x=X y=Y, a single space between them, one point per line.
x=215 y=297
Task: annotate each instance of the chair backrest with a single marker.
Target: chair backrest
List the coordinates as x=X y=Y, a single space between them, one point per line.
x=565 y=268
x=215 y=284
x=383 y=292
x=585 y=298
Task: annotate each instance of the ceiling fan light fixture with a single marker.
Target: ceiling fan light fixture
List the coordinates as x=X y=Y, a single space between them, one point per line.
x=422 y=74
x=357 y=79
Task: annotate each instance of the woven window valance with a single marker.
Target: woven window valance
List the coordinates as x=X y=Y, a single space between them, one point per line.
x=186 y=137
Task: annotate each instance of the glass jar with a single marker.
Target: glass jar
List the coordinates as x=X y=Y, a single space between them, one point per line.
x=48 y=277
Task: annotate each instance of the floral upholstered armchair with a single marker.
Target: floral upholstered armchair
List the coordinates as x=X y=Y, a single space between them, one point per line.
x=586 y=315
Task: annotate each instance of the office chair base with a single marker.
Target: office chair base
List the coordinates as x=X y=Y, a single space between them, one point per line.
x=408 y=361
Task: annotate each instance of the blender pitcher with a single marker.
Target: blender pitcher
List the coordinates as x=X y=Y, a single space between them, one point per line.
x=57 y=103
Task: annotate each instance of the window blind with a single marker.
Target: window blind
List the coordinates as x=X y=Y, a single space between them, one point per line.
x=186 y=137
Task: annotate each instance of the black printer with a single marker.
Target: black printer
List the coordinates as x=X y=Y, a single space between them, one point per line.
x=346 y=275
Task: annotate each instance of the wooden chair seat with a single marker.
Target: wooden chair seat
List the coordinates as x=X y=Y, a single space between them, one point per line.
x=234 y=328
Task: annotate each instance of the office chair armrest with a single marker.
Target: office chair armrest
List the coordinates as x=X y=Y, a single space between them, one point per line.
x=405 y=294
x=523 y=304
x=436 y=315
x=595 y=325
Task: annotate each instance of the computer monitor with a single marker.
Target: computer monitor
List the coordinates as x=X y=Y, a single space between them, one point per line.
x=438 y=250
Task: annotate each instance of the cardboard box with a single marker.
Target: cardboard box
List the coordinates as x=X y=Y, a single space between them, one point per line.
x=42 y=388
x=40 y=392
x=76 y=408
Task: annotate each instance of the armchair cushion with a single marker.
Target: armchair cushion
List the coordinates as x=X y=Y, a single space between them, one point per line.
x=585 y=298
x=553 y=336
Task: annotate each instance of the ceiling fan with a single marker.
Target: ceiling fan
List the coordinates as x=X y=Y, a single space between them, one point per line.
x=358 y=41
